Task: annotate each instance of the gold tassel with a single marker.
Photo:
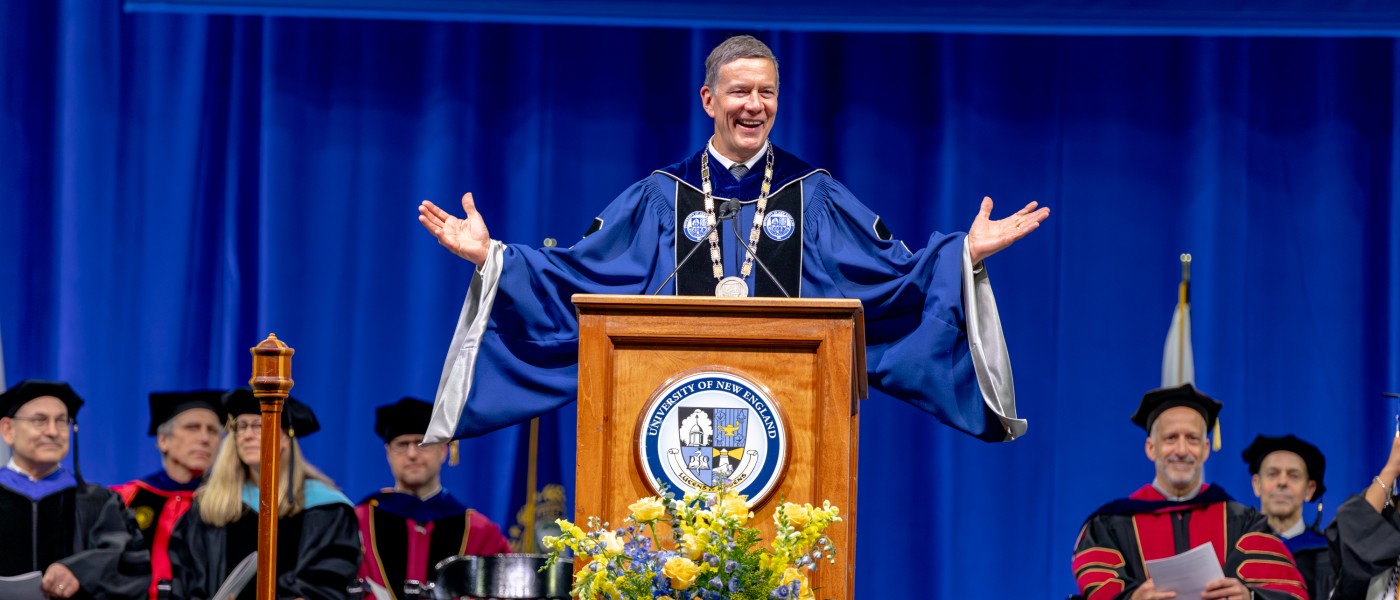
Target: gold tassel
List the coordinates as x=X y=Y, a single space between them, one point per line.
x=453 y=455
x=1215 y=437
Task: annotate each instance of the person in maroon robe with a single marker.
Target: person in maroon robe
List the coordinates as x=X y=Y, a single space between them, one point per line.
x=409 y=528
x=1178 y=512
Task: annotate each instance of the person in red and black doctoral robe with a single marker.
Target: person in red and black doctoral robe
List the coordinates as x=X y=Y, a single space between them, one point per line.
x=1177 y=512
x=409 y=528
x=187 y=427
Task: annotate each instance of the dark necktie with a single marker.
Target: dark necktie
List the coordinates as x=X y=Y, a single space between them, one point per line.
x=739 y=170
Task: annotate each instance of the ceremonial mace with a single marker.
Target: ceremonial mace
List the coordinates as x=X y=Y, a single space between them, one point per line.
x=272 y=380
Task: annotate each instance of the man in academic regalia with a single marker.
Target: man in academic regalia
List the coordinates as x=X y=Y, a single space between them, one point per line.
x=1287 y=472
x=1178 y=512
x=1364 y=539
x=76 y=534
x=187 y=427
x=931 y=325
x=409 y=528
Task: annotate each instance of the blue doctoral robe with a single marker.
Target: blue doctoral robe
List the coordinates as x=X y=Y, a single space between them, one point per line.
x=932 y=332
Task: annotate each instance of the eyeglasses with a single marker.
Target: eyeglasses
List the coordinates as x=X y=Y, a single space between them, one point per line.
x=42 y=421
x=242 y=426
x=402 y=446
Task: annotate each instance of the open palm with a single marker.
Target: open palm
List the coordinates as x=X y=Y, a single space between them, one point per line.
x=466 y=237
x=987 y=237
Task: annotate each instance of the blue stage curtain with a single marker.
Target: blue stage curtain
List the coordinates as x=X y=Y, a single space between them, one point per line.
x=175 y=187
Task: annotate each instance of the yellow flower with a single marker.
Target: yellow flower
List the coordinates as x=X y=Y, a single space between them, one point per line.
x=647 y=509
x=692 y=546
x=792 y=574
x=797 y=514
x=611 y=545
x=734 y=506
x=569 y=528
x=681 y=571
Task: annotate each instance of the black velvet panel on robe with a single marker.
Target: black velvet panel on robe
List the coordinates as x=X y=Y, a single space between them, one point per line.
x=87 y=529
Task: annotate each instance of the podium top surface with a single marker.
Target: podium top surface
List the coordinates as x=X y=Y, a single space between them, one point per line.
x=609 y=305
x=674 y=304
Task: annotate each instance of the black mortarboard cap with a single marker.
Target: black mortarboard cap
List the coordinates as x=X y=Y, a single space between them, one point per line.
x=29 y=389
x=1155 y=402
x=297 y=418
x=166 y=405
x=1264 y=445
x=407 y=416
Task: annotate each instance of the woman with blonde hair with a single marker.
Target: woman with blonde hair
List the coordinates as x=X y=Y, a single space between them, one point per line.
x=318 y=547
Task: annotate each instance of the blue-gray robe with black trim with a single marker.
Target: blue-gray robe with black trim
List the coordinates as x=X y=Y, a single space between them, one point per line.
x=933 y=335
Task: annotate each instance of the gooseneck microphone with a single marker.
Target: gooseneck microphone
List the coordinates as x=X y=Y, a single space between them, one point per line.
x=754 y=253
x=727 y=210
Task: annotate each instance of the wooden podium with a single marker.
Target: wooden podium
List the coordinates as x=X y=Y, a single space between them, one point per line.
x=808 y=355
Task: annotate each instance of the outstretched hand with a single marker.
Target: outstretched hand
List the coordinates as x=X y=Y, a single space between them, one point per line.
x=987 y=237
x=466 y=237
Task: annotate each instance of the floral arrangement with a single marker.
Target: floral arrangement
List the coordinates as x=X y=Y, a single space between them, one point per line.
x=698 y=548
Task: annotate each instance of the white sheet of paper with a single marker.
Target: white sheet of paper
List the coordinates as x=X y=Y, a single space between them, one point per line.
x=22 y=587
x=1187 y=573
x=238 y=578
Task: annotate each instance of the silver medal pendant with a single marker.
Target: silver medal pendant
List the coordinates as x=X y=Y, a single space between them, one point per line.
x=732 y=287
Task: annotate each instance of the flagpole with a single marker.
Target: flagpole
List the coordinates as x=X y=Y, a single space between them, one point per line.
x=527 y=540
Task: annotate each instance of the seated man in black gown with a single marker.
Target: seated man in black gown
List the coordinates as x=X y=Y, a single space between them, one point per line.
x=76 y=534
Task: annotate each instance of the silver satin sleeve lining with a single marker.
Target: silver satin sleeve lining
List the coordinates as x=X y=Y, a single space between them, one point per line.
x=459 y=369
x=990 y=358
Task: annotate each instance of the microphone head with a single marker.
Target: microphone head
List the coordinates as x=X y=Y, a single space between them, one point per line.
x=728 y=209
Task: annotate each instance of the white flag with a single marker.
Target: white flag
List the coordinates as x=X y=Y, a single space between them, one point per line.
x=1178 y=364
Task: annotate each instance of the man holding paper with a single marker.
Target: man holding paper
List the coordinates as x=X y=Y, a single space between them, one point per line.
x=1178 y=512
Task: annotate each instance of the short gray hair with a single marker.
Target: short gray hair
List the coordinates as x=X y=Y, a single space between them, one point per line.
x=166 y=429
x=735 y=48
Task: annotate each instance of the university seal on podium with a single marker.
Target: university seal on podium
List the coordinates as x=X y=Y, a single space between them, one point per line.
x=709 y=427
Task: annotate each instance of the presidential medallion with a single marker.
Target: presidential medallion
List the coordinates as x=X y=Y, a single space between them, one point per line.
x=732 y=287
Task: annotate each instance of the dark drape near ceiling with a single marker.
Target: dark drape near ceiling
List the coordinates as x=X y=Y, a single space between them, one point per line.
x=175 y=187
